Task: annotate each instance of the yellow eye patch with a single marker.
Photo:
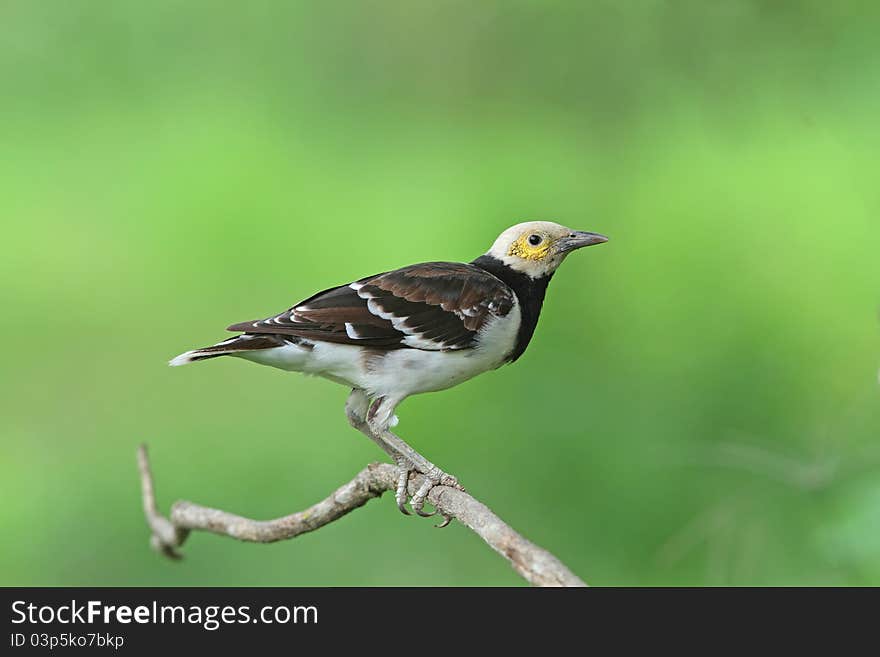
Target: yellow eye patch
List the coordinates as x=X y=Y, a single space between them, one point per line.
x=522 y=249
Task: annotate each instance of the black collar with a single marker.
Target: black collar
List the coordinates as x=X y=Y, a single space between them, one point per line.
x=530 y=293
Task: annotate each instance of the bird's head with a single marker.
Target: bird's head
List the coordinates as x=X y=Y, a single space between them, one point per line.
x=537 y=248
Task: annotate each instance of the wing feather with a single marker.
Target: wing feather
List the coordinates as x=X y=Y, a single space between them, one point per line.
x=432 y=306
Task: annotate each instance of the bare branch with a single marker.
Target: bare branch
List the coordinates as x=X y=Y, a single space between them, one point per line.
x=164 y=535
x=534 y=563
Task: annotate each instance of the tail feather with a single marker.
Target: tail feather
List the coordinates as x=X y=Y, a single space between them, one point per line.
x=230 y=347
x=191 y=357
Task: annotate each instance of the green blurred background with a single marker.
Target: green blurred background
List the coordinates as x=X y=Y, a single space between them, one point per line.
x=699 y=406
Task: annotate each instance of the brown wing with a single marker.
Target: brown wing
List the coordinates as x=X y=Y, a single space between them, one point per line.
x=433 y=306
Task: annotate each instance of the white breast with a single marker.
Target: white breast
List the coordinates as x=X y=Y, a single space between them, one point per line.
x=406 y=372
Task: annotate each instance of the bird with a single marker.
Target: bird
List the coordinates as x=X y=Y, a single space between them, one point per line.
x=421 y=328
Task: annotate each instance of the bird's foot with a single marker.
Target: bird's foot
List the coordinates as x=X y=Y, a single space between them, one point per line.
x=433 y=477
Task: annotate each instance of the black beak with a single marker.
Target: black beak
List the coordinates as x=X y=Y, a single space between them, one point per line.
x=578 y=239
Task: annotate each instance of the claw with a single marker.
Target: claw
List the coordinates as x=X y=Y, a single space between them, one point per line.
x=418 y=502
x=445 y=523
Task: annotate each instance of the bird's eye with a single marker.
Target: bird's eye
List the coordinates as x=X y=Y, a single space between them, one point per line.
x=535 y=240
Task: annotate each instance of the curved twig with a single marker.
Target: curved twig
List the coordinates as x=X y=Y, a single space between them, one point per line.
x=534 y=563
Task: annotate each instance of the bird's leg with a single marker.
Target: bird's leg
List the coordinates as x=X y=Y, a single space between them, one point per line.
x=356 y=408
x=378 y=420
x=373 y=420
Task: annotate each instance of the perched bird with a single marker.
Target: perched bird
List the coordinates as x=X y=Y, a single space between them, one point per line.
x=417 y=329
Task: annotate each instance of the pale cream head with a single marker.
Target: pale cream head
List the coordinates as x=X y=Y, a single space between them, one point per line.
x=537 y=248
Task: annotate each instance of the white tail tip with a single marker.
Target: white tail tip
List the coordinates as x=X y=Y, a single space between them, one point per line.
x=183 y=359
